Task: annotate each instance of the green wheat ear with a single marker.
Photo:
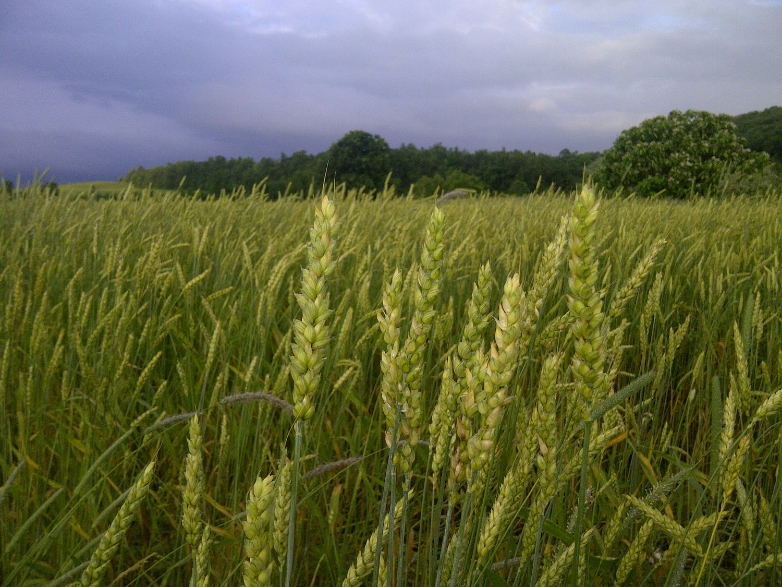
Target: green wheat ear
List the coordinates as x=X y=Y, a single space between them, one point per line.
x=282 y=510
x=201 y=565
x=501 y=364
x=447 y=406
x=584 y=301
x=311 y=332
x=194 y=486
x=259 y=565
x=411 y=357
x=365 y=559
x=109 y=543
x=308 y=350
x=389 y=319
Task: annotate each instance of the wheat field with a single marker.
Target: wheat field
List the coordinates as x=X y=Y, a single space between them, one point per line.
x=363 y=389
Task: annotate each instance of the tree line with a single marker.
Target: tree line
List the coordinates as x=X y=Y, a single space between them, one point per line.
x=360 y=159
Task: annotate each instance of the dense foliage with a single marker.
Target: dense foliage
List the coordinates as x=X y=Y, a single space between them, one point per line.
x=679 y=155
x=762 y=130
x=124 y=320
x=360 y=159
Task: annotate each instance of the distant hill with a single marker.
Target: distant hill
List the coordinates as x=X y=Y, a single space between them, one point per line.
x=763 y=130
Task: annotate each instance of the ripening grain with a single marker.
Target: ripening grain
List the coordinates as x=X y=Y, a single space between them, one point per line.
x=495 y=341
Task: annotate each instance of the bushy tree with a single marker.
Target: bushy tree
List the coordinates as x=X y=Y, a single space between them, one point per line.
x=360 y=159
x=683 y=153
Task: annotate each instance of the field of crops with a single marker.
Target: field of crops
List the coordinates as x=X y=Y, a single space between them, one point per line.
x=505 y=391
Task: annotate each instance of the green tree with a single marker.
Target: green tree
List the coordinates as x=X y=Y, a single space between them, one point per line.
x=683 y=153
x=763 y=131
x=360 y=159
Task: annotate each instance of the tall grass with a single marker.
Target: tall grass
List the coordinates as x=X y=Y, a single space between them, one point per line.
x=541 y=400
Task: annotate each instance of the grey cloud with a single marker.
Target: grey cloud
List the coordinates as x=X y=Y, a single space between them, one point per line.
x=162 y=80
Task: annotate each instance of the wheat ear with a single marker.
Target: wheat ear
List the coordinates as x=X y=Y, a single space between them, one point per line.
x=441 y=427
x=544 y=426
x=728 y=427
x=630 y=558
x=365 y=560
x=109 y=543
x=201 y=566
x=742 y=374
x=411 y=357
x=773 y=559
x=676 y=532
x=389 y=319
x=467 y=351
x=553 y=574
x=770 y=406
x=631 y=286
x=585 y=305
x=311 y=331
x=282 y=510
x=501 y=366
x=259 y=565
x=308 y=352
x=507 y=504
x=478 y=318
x=193 y=491
x=584 y=302
x=546 y=273
x=486 y=407
x=733 y=467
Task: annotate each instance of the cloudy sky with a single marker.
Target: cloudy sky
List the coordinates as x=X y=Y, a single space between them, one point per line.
x=93 y=88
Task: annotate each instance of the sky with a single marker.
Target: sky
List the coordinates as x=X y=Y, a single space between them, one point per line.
x=90 y=89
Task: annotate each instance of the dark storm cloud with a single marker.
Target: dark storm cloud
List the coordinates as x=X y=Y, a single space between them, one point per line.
x=94 y=88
